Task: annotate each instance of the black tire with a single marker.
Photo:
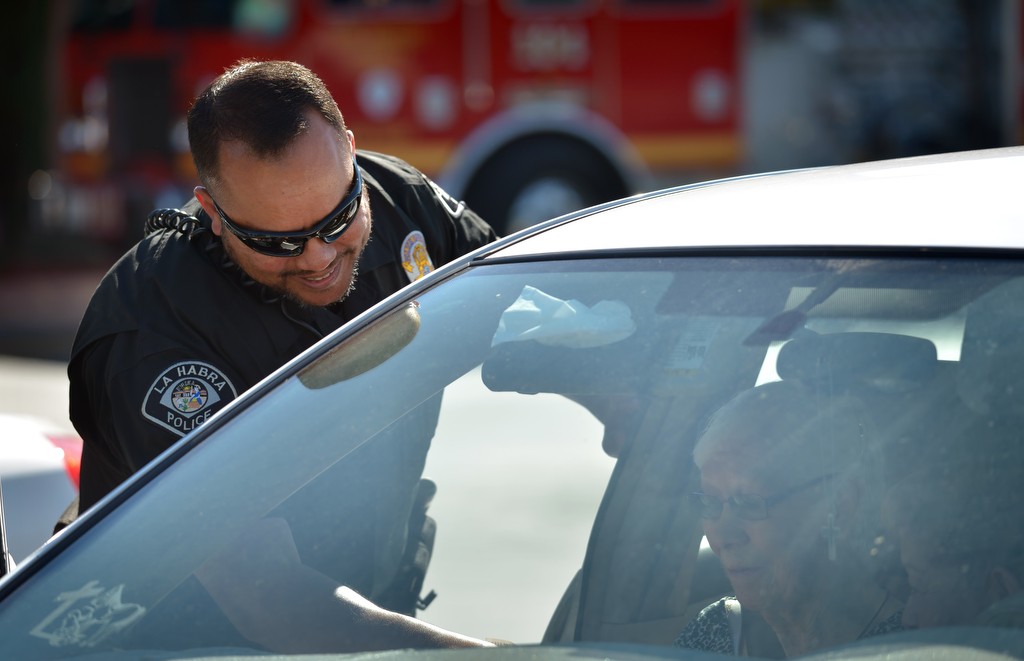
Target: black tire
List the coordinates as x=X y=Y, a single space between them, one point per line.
x=541 y=177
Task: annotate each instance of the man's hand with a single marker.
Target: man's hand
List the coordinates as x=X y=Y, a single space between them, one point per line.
x=261 y=585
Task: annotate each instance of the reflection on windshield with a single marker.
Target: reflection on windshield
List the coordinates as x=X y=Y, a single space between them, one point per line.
x=534 y=453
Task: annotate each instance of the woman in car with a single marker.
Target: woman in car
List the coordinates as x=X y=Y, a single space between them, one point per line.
x=790 y=491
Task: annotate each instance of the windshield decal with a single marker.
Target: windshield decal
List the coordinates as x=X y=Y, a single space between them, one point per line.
x=691 y=349
x=87 y=616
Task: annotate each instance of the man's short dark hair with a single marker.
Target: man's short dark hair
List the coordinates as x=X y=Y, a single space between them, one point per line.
x=262 y=104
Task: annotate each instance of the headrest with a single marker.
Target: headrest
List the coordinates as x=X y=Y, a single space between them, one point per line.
x=882 y=362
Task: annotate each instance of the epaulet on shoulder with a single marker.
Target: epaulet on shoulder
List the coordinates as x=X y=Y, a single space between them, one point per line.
x=383 y=166
x=171 y=219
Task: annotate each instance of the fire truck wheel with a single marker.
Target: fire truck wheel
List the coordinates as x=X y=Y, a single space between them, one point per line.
x=538 y=178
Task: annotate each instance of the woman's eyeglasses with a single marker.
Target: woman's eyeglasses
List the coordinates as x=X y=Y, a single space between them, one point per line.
x=751 y=508
x=285 y=244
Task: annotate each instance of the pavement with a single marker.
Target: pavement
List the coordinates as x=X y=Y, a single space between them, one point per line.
x=40 y=310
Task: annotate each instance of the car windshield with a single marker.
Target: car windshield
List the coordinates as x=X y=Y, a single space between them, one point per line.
x=603 y=449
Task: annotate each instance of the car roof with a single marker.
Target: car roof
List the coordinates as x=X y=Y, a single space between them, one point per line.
x=955 y=200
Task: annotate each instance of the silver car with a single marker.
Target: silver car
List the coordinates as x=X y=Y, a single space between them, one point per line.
x=775 y=415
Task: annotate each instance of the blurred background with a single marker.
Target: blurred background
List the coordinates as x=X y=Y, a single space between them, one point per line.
x=524 y=108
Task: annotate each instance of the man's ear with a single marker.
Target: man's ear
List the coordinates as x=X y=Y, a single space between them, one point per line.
x=204 y=199
x=1002 y=583
x=351 y=140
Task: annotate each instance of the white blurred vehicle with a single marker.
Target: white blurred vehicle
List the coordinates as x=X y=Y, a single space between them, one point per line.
x=39 y=476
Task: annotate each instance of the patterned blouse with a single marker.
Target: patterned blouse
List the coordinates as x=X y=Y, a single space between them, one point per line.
x=710 y=630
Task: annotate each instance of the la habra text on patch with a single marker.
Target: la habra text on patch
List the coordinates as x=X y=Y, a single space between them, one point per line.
x=185 y=395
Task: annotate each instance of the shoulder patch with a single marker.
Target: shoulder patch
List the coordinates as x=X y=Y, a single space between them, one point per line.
x=415 y=258
x=185 y=395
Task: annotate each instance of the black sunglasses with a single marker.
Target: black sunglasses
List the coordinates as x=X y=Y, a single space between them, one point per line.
x=285 y=244
x=751 y=508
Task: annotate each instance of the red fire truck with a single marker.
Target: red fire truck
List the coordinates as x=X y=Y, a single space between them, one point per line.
x=524 y=108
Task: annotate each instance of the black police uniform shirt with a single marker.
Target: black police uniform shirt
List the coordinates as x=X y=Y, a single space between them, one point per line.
x=175 y=330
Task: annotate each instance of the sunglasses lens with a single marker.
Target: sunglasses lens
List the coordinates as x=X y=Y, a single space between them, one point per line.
x=340 y=222
x=273 y=246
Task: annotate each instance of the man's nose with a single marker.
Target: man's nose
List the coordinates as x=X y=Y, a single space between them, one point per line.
x=317 y=255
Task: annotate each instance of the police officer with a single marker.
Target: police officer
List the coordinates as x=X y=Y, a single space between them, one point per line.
x=292 y=233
